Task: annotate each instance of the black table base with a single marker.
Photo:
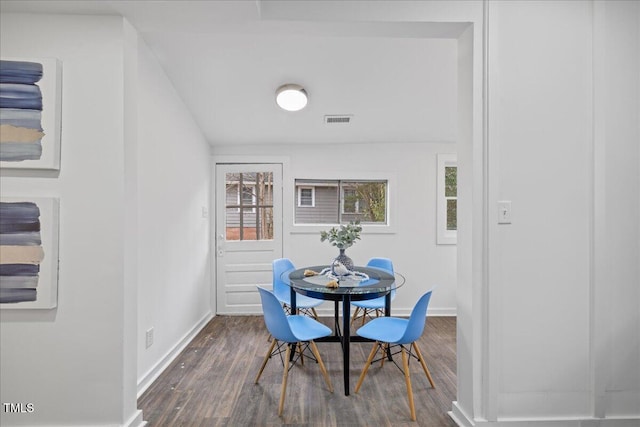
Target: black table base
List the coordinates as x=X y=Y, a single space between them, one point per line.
x=343 y=336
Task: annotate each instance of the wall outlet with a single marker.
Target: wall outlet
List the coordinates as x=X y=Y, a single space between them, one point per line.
x=149 y=338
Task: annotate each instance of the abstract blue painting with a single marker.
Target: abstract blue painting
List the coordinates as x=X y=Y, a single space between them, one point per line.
x=28 y=252
x=30 y=95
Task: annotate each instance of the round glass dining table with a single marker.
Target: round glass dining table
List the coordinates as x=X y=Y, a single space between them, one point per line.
x=366 y=283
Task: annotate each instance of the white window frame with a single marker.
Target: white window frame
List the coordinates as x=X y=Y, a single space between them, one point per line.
x=313 y=197
x=391 y=226
x=444 y=236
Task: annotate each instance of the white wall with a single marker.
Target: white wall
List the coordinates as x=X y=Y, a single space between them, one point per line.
x=563 y=146
x=69 y=361
x=616 y=293
x=541 y=261
x=411 y=243
x=134 y=245
x=174 y=282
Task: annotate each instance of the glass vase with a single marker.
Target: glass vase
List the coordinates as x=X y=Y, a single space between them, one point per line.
x=344 y=260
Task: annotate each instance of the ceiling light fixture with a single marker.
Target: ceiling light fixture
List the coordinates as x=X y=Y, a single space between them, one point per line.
x=291 y=97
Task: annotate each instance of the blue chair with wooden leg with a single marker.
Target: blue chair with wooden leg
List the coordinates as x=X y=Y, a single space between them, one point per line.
x=290 y=332
x=389 y=333
x=375 y=305
x=282 y=291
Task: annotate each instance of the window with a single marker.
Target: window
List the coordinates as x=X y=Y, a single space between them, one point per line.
x=341 y=201
x=447 y=199
x=350 y=201
x=249 y=212
x=306 y=197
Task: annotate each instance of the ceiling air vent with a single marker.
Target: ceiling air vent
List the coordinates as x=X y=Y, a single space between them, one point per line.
x=336 y=119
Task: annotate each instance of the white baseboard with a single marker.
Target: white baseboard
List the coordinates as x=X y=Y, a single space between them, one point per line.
x=153 y=373
x=442 y=312
x=399 y=312
x=458 y=415
x=136 y=420
x=569 y=422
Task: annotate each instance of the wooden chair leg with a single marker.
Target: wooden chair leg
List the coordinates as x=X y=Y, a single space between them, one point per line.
x=355 y=315
x=266 y=359
x=385 y=354
x=284 y=380
x=364 y=316
x=301 y=351
x=315 y=315
x=374 y=350
x=423 y=363
x=407 y=378
x=316 y=353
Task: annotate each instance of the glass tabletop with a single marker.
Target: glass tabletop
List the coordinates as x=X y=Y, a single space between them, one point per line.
x=364 y=281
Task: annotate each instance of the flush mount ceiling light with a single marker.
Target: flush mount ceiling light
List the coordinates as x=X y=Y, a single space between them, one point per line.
x=291 y=97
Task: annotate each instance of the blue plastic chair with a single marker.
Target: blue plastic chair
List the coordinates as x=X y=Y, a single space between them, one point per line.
x=393 y=332
x=377 y=304
x=282 y=291
x=290 y=331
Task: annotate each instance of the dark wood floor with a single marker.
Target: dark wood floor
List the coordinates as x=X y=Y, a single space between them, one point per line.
x=211 y=383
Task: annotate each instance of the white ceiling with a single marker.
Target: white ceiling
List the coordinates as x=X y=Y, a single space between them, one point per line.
x=370 y=59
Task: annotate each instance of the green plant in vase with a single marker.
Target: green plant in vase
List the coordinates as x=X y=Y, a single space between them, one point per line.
x=342 y=237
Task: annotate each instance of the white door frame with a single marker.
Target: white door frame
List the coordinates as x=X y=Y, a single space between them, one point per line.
x=259 y=272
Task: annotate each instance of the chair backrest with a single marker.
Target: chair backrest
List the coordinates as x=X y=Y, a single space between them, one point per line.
x=417 y=320
x=383 y=264
x=280 y=266
x=275 y=317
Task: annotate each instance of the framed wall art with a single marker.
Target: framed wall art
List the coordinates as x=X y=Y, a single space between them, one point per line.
x=28 y=252
x=30 y=113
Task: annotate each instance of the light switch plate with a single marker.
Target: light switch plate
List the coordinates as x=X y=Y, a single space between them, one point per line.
x=504 y=212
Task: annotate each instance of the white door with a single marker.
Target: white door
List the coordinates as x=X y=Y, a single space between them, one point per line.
x=248 y=233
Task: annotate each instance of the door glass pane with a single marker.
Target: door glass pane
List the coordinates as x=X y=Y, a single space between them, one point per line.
x=265 y=223
x=249 y=213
